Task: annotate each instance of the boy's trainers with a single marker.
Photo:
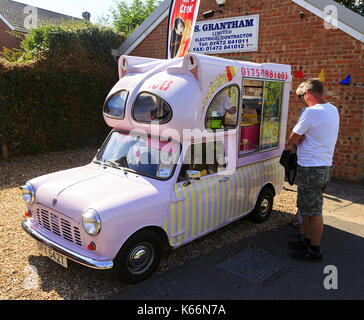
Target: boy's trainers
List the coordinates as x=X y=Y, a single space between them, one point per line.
x=307 y=255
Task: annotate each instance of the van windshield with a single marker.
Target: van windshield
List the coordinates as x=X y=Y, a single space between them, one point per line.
x=140 y=154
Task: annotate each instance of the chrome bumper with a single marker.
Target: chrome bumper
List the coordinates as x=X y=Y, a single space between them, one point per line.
x=94 y=264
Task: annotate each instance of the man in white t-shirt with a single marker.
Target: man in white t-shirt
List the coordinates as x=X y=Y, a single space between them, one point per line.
x=315 y=135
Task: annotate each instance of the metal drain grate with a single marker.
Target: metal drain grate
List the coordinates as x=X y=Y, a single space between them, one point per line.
x=254 y=265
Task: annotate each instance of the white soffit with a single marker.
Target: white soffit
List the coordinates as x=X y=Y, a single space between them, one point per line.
x=330 y=19
x=7 y=23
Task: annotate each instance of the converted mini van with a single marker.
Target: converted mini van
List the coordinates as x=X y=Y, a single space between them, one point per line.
x=195 y=144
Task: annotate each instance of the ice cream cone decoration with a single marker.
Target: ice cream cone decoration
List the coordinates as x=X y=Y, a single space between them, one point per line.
x=137 y=157
x=194 y=72
x=225 y=77
x=193 y=67
x=231 y=72
x=123 y=68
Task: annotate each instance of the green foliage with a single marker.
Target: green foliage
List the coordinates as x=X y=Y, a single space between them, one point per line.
x=54 y=102
x=50 y=39
x=14 y=55
x=127 y=17
x=354 y=5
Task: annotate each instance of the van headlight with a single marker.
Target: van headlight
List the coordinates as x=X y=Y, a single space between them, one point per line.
x=91 y=222
x=28 y=193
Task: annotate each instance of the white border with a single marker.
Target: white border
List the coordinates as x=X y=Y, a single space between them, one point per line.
x=7 y=22
x=340 y=25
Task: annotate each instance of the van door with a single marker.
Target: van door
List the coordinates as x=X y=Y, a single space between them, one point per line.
x=199 y=206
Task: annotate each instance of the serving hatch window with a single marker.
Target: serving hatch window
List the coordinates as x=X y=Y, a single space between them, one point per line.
x=260 y=115
x=115 y=105
x=149 y=107
x=222 y=112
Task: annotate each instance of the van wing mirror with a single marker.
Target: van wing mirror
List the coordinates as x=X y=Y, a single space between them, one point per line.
x=192 y=175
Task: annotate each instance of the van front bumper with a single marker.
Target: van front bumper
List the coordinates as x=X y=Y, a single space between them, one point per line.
x=91 y=263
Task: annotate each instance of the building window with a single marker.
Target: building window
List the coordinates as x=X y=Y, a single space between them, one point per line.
x=260 y=115
x=148 y=108
x=222 y=112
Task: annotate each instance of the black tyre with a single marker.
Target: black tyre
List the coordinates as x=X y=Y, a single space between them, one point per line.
x=263 y=207
x=138 y=258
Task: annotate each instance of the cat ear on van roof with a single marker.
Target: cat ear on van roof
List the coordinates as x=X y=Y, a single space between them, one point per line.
x=131 y=64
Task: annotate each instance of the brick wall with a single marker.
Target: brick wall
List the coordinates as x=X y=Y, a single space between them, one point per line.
x=155 y=44
x=7 y=40
x=307 y=46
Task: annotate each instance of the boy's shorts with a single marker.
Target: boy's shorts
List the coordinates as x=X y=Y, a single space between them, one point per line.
x=311 y=183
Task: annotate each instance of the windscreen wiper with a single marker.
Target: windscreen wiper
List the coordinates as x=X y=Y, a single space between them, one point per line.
x=108 y=163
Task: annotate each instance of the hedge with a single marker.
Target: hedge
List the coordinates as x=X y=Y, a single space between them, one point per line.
x=54 y=101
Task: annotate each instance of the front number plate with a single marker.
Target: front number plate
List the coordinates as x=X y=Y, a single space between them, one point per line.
x=55 y=256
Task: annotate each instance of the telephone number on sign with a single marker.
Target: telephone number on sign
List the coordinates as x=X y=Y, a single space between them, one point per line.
x=264 y=73
x=226 y=47
x=234 y=46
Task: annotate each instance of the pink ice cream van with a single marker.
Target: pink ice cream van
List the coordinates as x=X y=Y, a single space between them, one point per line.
x=195 y=145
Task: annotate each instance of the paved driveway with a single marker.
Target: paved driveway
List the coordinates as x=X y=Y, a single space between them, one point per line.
x=208 y=276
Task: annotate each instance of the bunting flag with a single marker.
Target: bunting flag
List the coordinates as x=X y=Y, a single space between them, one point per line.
x=346 y=81
x=321 y=76
x=181 y=23
x=299 y=74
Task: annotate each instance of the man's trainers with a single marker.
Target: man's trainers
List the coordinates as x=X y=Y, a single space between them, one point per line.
x=298 y=245
x=307 y=255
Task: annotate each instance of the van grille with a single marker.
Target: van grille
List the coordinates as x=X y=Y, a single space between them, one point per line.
x=59 y=226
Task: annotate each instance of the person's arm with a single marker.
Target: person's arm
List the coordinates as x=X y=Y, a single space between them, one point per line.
x=298 y=132
x=294 y=139
x=227 y=104
x=232 y=110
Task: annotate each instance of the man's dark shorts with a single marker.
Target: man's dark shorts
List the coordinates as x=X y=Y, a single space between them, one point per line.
x=311 y=183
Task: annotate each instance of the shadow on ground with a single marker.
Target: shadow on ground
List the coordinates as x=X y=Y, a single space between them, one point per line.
x=200 y=278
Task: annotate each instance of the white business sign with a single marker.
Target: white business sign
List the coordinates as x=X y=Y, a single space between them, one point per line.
x=238 y=34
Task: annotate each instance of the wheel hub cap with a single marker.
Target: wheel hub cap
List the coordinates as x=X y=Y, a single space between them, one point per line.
x=140 y=258
x=264 y=206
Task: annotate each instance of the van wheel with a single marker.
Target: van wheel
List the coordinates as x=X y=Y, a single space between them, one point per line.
x=138 y=258
x=263 y=207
